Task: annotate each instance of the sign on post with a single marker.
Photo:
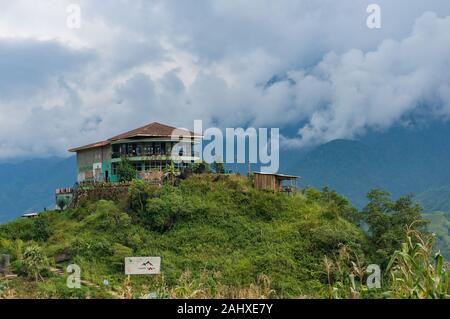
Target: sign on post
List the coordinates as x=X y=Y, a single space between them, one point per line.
x=142 y=265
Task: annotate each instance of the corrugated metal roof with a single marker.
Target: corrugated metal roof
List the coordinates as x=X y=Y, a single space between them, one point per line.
x=279 y=175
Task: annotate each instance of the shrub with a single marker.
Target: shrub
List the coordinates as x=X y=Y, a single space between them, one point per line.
x=125 y=171
x=139 y=192
x=35 y=263
x=218 y=167
x=162 y=213
x=41 y=229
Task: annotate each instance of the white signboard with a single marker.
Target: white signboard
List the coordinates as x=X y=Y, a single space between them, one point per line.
x=142 y=265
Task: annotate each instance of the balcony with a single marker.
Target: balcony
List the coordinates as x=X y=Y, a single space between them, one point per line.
x=151 y=156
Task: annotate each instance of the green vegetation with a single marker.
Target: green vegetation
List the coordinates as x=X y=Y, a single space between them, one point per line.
x=217 y=237
x=435 y=199
x=440 y=225
x=387 y=219
x=218 y=167
x=125 y=171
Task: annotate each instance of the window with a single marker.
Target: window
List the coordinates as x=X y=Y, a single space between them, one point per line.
x=148 y=149
x=138 y=150
x=114 y=168
x=137 y=166
x=123 y=149
x=157 y=148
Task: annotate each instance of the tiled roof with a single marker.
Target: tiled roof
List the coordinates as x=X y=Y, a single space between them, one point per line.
x=93 y=145
x=151 y=130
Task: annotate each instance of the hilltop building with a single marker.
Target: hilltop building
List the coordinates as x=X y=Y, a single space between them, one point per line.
x=275 y=182
x=149 y=149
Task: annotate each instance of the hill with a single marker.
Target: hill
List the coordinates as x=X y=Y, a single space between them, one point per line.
x=218 y=237
x=30 y=185
x=440 y=225
x=435 y=199
x=215 y=234
x=400 y=160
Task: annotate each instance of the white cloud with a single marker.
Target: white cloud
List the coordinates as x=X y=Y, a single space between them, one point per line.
x=138 y=61
x=373 y=90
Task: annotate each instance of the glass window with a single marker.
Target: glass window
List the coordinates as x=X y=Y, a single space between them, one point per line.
x=138 y=150
x=114 y=168
x=157 y=148
x=147 y=149
x=123 y=149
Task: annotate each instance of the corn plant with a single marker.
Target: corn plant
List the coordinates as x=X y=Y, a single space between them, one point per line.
x=415 y=272
x=345 y=276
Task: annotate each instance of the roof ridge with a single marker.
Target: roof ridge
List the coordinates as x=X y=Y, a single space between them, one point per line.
x=153 y=129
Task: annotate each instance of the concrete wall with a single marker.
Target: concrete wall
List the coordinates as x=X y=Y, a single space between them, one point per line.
x=92 y=163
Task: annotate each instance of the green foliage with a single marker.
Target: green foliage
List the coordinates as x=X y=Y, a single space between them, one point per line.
x=415 y=272
x=216 y=234
x=387 y=220
x=346 y=274
x=200 y=168
x=35 y=263
x=171 y=171
x=41 y=229
x=125 y=171
x=139 y=192
x=108 y=216
x=162 y=212
x=56 y=287
x=61 y=203
x=36 y=229
x=440 y=225
x=218 y=167
x=435 y=199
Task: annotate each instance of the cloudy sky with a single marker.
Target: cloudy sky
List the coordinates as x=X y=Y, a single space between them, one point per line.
x=311 y=67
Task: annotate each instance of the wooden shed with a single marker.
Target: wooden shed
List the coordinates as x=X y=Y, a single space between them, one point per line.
x=274 y=182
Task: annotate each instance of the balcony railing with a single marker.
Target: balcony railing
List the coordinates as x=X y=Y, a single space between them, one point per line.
x=135 y=154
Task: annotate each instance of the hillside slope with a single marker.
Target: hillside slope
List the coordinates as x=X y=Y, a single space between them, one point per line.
x=401 y=161
x=216 y=235
x=30 y=185
x=435 y=199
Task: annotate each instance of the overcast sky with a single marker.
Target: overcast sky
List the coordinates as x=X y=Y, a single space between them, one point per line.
x=312 y=66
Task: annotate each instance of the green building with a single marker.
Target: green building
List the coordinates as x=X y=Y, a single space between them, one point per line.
x=149 y=148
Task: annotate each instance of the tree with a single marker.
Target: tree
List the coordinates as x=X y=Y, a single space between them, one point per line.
x=171 y=170
x=218 y=167
x=200 y=168
x=61 y=203
x=41 y=229
x=125 y=171
x=387 y=220
x=35 y=262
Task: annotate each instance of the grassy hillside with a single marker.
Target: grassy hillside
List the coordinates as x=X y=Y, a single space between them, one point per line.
x=435 y=199
x=215 y=229
x=217 y=237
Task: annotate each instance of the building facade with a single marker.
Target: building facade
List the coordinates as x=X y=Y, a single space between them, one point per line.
x=149 y=148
